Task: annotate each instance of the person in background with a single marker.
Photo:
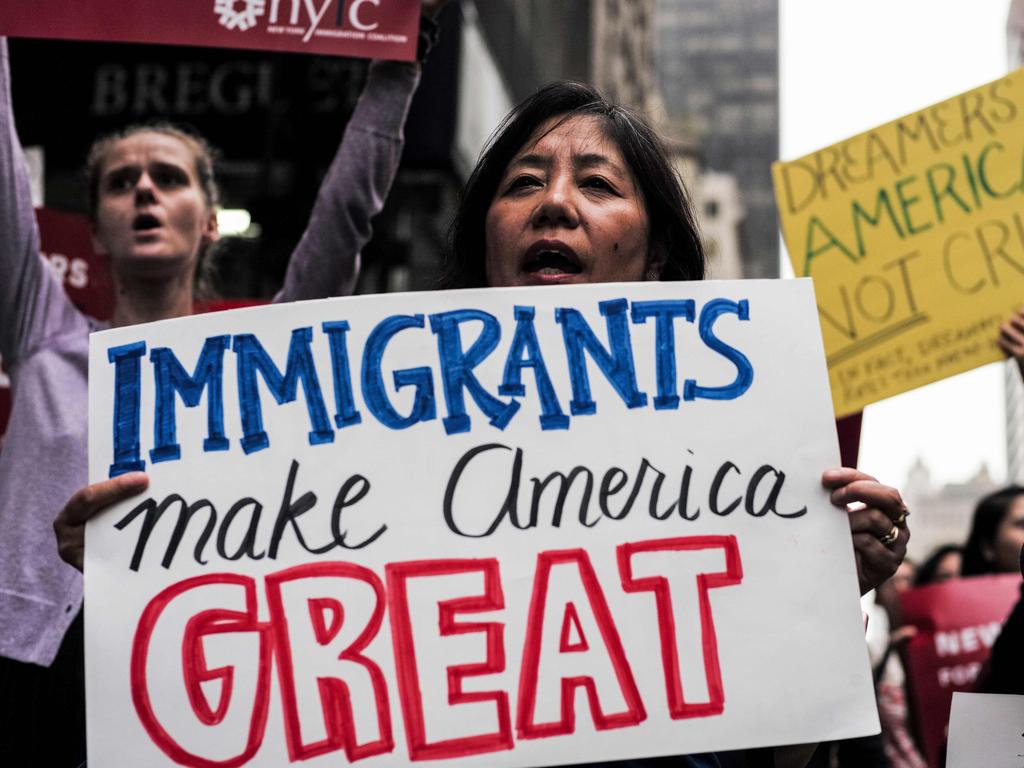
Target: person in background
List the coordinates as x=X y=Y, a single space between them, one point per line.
x=885 y=634
x=997 y=533
x=1004 y=670
x=996 y=530
x=941 y=565
x=153 y=202
x=898 y=744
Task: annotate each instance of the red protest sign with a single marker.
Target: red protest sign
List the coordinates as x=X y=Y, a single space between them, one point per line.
x=65 y=241
x=382 y=29
x=957 y=623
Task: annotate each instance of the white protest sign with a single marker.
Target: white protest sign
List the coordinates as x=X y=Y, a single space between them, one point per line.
x=986 y=729
x=508 y=527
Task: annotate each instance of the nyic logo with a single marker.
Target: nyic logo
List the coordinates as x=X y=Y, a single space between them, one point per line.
x=239 y=14
x=301 y=16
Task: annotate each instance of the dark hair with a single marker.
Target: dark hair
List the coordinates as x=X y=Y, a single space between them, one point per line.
x=927 y=570
x=204 y=157
x=674 y=242
x=988 y=515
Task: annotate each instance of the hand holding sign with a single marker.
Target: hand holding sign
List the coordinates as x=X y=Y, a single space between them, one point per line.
x=877 y=521
x=88 y=502
x=1011 y=338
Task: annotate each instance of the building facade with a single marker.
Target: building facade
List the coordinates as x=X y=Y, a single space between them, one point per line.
x=717 y=68
x=941 y=514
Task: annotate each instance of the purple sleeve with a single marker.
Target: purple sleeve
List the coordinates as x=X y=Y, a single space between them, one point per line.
x=32 y=301
x=326 y=261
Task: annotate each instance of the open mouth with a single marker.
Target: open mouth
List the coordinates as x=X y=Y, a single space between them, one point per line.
x=551 y=259
x=145 y=222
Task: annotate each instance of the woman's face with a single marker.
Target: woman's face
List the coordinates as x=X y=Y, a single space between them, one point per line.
x=567 y=210
x=151 y=215
x=947 y=568
x=1004 y=551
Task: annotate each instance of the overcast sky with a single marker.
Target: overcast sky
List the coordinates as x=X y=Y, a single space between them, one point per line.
x=846 y=67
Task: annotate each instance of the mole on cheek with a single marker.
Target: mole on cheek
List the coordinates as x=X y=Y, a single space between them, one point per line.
x=615 y=247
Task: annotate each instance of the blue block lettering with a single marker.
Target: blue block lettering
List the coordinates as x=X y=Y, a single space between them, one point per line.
x=616 y=365
x=376 y=398
x=664 y=313
x=457 y=368
x=345 y=413
x=744 y=370
x=127 y=360
x=171 y=377
x=525 y=352
x=253 y=358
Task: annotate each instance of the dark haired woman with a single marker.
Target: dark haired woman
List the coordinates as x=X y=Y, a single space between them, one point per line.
x=997 y=533
x=153 y=202
x=997 y=528
x=941 y=565
x=574 y=189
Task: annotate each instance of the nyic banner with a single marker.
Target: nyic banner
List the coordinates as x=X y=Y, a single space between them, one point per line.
x=914 y=235
x=380 y=29
x=957 y=623
x=506 y=527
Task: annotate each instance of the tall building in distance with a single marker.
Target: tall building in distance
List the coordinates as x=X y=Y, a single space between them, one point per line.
x=510 y=47
x=717 y=64
x=942 y=513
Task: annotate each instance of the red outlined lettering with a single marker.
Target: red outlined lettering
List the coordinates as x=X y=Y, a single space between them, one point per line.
x=526 y=725
x=324 y=616
x=319 y=608
x=398 y=575
x=572 y=639
x=659 y=585
x=327 y=618
x=196 y=671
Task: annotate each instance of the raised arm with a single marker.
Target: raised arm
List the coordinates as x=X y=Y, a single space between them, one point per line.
x=31 y=298
x=1011 y=338
x=326 y=261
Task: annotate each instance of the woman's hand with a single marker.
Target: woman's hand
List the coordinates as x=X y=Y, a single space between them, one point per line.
x=432 y=7
x=902 y=634
x=1011 y=338
x=88 y=501
x=877 y=521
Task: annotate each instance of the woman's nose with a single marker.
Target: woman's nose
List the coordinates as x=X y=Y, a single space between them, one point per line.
x=144 y=189
x=557 y=206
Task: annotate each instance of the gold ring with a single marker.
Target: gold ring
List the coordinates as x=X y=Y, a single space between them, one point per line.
x=904 y=514
x=890 y=538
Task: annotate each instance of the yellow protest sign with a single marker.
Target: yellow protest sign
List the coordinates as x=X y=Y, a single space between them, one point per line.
x=914 y=235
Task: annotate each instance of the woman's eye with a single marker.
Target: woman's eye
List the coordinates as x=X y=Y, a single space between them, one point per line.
x=523 y=182
x=169 y=178
x=598 y=182
x=120 y=182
